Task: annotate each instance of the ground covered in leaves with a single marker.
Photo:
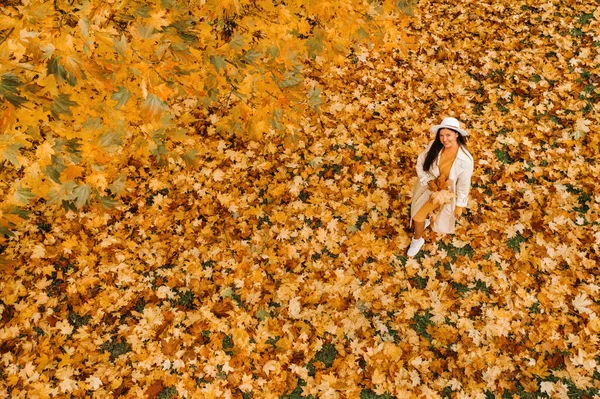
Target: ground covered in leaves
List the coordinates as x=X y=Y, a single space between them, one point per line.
x=276 y=268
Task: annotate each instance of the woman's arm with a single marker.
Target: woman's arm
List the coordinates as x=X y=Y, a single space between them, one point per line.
x=463 y=185
x=424 y=176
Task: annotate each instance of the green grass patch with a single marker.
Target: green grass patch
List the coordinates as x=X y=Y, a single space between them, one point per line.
x=463 y=288
x=503 y=156
x=420 y=323
x=455 y=252
x=78 y=321
x=419 y=282
x=167 y=393
x=585 y=18
x=115 y=347
x=370 y=394
x=297 y=392
x=185 y=299
x=515 y=242
x=325 y=355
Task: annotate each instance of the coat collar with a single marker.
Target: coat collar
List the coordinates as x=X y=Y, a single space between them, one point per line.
x=457 y=167
x=464 y=155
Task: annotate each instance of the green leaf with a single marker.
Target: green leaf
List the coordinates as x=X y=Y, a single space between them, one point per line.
x=54 y=68
x=121 y=96
x=227 y=342
x=406 y=6
x=276 y=119
x=291 y=78
x=146 y=31
x=20 y=212
x=6 y=232
x=218 y=61
x=24 y=195
x=10 y=83
x=62 y=105
x=190 y=156
x=314 y=98
x=53 y=173
x=251 y=55
x=108 y=203
x=261 y=314
x=64 y=193
x=227 y=292
x=315 y=45
x=54 y=170
x=362 y=33
x=73 y=148
x=15 y=100
x=237 y=42
x=93 y=123
x=82 y=195
x=143 y=11
x=118 y=186
x=9 y=89
x=120 y=47
x=273 y=51
x=71 y=79
x=10 y=153
x=154 y=104
x=109 y=139
x=185 y=30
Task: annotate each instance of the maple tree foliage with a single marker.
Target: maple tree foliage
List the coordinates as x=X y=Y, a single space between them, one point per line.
x=210 y=200
x=116 y=83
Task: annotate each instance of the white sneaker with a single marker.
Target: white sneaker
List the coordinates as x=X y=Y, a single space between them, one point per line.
x=415 y=246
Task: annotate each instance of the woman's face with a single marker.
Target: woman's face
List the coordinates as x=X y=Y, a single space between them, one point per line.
x=448 y=137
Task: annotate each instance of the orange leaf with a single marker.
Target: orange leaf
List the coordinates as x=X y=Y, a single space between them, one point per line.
x=72 y=171
x=154 y=389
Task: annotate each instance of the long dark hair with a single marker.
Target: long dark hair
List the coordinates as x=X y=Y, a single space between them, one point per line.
x=437 y=146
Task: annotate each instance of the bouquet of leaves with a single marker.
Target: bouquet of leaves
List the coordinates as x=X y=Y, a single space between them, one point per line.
x=441 y=193
x=442 y=197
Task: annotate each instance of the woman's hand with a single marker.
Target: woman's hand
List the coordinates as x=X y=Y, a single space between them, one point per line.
x=458 y=210
x=433 y=185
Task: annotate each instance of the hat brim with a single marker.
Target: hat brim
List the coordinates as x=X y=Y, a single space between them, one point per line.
x=434 y=129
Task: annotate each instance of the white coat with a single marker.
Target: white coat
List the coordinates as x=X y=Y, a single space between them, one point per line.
x=460 y=176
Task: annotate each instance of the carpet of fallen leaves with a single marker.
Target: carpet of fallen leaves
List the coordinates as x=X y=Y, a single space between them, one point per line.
x=278 y=268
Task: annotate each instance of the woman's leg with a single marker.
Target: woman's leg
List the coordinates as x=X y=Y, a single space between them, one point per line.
x=419 y=226
x=420 y=218
x=418 y=229
x=417 y=241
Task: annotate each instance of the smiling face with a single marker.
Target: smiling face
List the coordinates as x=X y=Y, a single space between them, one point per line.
x=448 y=138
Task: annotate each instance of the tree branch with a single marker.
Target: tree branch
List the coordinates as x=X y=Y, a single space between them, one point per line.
x=7 y=35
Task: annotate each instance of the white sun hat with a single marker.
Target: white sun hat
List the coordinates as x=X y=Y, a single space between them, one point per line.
x=449 y=123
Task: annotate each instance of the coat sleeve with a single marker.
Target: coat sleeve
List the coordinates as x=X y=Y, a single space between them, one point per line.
x=463 y=185
x=424 y=177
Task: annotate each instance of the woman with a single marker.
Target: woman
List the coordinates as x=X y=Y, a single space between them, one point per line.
x=444 y=172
